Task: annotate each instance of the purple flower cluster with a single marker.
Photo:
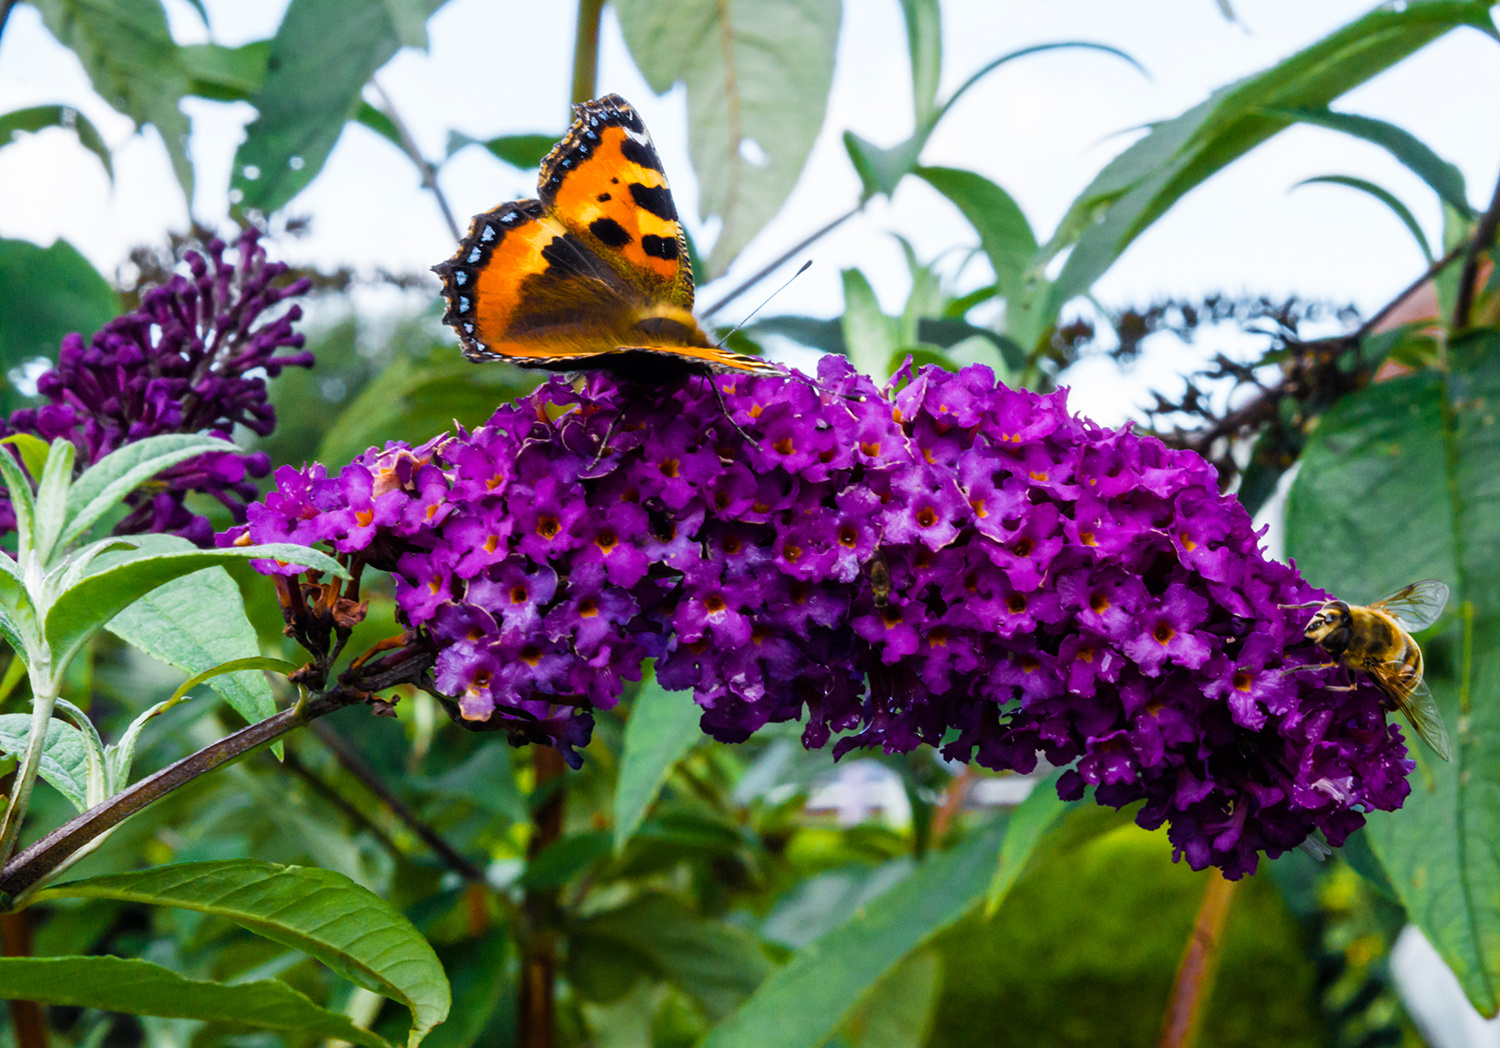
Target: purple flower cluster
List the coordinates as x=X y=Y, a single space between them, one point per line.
x=947 y=562
x=189 y=360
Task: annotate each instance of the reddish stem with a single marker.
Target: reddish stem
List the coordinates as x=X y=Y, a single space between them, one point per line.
x=26 y=1017
x=539 y=910
x=1199 y=961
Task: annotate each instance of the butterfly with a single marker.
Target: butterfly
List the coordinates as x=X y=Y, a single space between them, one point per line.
x=594 y=273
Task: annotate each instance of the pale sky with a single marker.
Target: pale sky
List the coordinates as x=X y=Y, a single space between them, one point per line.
x=1041 y=127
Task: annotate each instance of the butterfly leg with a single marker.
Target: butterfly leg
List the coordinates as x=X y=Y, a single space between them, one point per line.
x=713 y=381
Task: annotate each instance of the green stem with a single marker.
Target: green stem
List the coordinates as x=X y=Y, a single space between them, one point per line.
x=44 y=698
x=586 y=50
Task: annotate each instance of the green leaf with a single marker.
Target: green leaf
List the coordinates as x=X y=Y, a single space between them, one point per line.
x=96 y=599
x=33 y=451
x=486 y=780
x=52 y=496
x=372 y=118
x=128 y=52
x=522 y=151
x=1007 y=240
x=121 y=755
x=807 y=999
x=46 y=294
x=1386 y=197
x=65 y=756
x=94 y=745
x=825 y=333
x=1399 y=482
x=198 y=623
x=226 y=74
x=661 y=729
x=758 y=74
x=1446 y=180
x=22 y=500
x=115 y=984
x=323 y=54
x=409 y=17
x=898 y=1010
x=1139 y=185
x=37 y=118
x=117 y=474
x=924 y=43
x=566 y=858
x=881 y=169
x=716 y=963
x=1029 y=823
x=869 y=333
x=322 y=913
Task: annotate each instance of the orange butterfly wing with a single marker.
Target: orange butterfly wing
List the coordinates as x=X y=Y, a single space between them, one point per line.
x=595 y=273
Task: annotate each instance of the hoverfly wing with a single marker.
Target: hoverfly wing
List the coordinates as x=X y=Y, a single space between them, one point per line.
x=1316 y=845
x=1420 y=710
x=1417 y=606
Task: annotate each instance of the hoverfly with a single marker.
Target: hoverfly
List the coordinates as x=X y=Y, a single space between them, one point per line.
x=1377 y=640
x=880 y=579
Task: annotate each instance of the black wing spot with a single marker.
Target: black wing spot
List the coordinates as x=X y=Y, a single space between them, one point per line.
x=565 y=256
x=603 y=198
x=612 y=233
x=655 y=199
x=659 y=247
x=639 y=154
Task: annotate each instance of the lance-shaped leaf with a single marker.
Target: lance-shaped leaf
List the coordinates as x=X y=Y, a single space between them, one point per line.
x=45 y=294
x=758 y=74
x=38 y=118
x=95 y=599
x=65 y=755
x=197 y=623
x=1445 y=179
x=1139 y=185
x=322 y=913
x=1400 y=482
x=1007 y=240
x=119 y=473
x=323 y=54
x=22 y=502
x=870 y=335
x=803 y=1003
x=51 y=496
x=1383 y=195
x=129 y=55
x=662 y=727
x=116 y=984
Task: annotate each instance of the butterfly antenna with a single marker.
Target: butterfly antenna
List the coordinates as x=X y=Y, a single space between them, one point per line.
x=763 y=304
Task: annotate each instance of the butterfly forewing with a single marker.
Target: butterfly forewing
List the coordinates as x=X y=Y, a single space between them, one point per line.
x=605 y=182
x=1417 y=606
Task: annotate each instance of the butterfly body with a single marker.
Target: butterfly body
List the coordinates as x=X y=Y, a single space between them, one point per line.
x=594 y=273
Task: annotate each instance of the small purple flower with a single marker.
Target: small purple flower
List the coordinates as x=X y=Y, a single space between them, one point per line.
x=946 y=562
x=189 y=359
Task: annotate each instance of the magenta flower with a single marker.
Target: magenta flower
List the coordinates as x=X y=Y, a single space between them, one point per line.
x=190 y=359
x=946 y=563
